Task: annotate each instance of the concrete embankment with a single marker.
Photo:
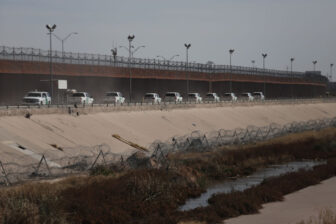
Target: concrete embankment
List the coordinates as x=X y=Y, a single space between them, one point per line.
x=77 y=135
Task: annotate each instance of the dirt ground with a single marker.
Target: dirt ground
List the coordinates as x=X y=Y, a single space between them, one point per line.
x=77 y=135
x=298 y=206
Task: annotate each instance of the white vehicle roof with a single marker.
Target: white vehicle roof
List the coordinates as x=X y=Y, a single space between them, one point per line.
x=151 y=94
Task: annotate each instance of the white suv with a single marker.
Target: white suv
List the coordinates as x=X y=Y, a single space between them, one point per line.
x=173 y=97
x=152 y=98
x=37 y=98
x=195 y=97
x=230 y=97
x=212 y=97
x=246 y=97
x=81 y=98
x=258 y=95
x=114 y=97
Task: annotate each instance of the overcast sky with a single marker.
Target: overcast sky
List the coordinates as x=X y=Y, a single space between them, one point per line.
x=304 y=29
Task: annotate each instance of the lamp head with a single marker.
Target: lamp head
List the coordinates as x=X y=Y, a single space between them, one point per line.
x=51 y=27
x=187 y=45
x=292 y=59
x=231 y=51
x=130 y=37
x=314 y=62
x=264 y=55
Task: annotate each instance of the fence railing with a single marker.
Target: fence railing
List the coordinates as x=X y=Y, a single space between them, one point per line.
x=32 y=54
x=46 y=167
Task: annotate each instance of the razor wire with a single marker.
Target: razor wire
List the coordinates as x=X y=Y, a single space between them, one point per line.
x=88 y=158
x=202 y=142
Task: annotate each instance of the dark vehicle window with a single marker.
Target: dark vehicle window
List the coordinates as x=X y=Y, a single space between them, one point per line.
x=34 y=94
x=78 y=94
x=170 y=94
x=149 y=96
x=209 y=95
x=111 y=94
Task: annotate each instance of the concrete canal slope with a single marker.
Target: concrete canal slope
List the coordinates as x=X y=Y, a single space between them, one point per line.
x=22 y=139
x=298 y=206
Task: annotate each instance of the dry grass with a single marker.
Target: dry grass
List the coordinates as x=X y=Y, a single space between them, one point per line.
x=152 y=196
x=326 y=216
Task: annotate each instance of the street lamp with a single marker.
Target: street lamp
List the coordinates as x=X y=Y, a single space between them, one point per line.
x=114 y=52
x=231 y=52
x=264 y=57
x=187 y=46
x=253 y=62
x=130 y=55
x=314 y=65
x=63 y=40
x=51 y=28
x=292 y=60
x=331 y=66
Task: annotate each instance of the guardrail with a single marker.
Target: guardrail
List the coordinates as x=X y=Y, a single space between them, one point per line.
x=32 y=54
x=72 y=109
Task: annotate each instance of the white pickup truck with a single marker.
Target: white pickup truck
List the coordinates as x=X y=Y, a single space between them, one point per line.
x=37 y=98
x=80 y=98
x=114 y=97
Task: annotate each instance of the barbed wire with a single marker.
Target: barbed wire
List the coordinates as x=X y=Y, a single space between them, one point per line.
x=102 y=155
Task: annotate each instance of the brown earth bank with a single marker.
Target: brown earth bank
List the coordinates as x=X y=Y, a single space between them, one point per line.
x=153 y=195
x=77 y=135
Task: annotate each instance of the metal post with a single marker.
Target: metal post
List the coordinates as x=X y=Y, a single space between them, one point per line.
x=130 y=39
x=331 y=77
x=51 y=29
x=264 y=57
x=187 y=58
x=314 y=65
x=231 y=52
x=291 y=60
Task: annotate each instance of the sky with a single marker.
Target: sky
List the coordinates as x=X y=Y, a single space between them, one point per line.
x=303 y=29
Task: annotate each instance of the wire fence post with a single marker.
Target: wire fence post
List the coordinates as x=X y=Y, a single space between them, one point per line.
x=100 y=154
x=40 y=163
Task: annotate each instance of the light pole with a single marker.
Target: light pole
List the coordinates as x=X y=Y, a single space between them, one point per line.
x=130 y=38
x=314 y=65
x=231 y=52
x=187 y=46
x=264 y=57
x=51 y=28
x=63 y=40
x=253 y=62
x=292 y=60
x=114 y=52
x=331 y=70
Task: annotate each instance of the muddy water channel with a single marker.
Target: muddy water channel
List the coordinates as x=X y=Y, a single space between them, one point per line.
x=244 y=183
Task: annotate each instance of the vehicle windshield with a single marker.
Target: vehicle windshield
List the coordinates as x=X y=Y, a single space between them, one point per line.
x=78 y=95
x=192 y=94
x=256 y=94
x=149 y=96
x=170 y=94
x=209 y=95
x=34 y=94
x=227 y=94
x=112 y=94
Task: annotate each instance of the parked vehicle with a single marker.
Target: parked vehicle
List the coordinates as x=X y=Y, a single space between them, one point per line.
x=152 y=98
x=37 y=98
x=258 y=95
x=229 y=97
x=114 y=97
x=173 y=97
x=80 y=98
x=246 y=97
x=213 y=97
x=194 y=97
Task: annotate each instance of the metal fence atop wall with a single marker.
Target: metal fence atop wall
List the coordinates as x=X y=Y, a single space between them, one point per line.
x=90 y=157
x=32 y=54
